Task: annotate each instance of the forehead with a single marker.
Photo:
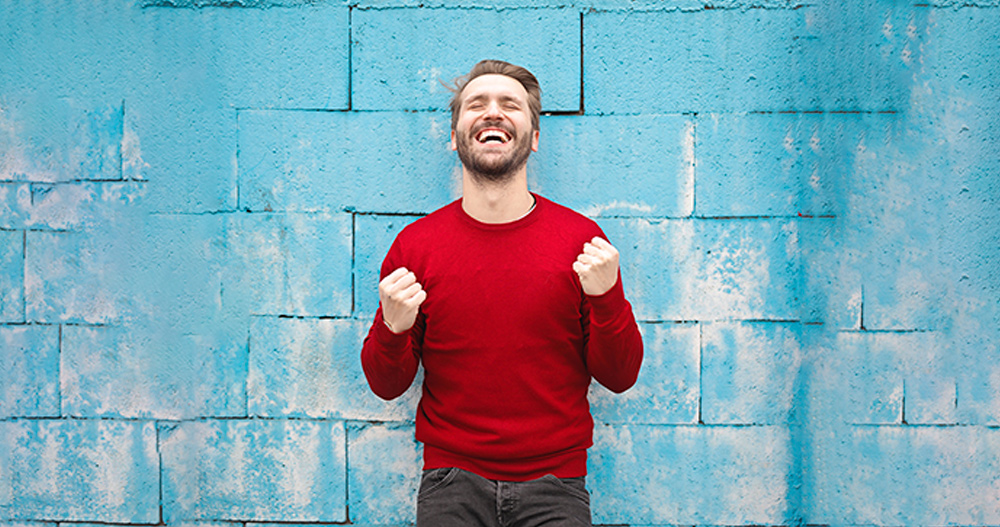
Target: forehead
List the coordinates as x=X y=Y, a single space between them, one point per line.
x=492 y=85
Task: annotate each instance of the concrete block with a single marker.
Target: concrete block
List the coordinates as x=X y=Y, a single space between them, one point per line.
x=696 y=475
x=781 y=164
x=709 y=269
x=833 y=264
x=289 y=471
x=667 y=391
x=908 y=476
x=48 y=138
x=373 y=235
x=280 y=57
x=703 y=61
x=80 y=470
x=29 y=371
x=329 y=161
x=11 y=276
x=750 y=372
x=640 y=165
x=152 y=370
x=312 y=368
x=398 y=64
x=292 y=264
x=384 y=474
x=70 y=206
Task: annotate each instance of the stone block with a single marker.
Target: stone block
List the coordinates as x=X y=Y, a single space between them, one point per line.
x=312 y=368
x=636 y=165
x=29 y=371
x=11 y=276
x=51 y=139
x=667 y=391
x=255 y=470
x=331 y=161
x=279 y=57
x=384 y=474
x=373 y=235
x=152 y=370
x=398 y=64
x=79 y=470
x=750 y=372
x=781 y=164
x=701 y=61
x=72 y=206
x=694 y=475
x=709 y=269
x=908 y=476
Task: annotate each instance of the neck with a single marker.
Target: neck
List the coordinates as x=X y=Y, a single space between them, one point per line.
x=500 y=202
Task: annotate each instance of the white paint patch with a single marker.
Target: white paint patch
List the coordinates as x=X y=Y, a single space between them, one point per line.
x=689 y=164
x=597 y=210
x=431 y=78
x=133 y=165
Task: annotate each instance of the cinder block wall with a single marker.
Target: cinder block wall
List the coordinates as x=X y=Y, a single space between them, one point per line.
x=195 y=197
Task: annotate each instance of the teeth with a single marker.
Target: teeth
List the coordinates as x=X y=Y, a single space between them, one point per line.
x=493 y=134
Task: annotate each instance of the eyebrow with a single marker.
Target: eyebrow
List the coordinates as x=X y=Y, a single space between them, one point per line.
x=483 y=96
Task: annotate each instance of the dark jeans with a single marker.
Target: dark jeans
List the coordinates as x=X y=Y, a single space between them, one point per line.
x=451 y=497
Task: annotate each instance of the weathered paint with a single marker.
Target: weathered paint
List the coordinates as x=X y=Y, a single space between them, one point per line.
x=196 y=196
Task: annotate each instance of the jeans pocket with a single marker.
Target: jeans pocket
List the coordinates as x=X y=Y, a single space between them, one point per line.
x=576 y=487
x=435 y=479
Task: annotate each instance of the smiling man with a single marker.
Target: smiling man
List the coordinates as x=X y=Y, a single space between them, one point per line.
x=513 y=304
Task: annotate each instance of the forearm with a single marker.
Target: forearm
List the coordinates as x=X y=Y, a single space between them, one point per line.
x=388 y=360
x=614 y=344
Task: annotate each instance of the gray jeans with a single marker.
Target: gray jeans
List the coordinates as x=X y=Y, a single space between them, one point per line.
x=451 y=497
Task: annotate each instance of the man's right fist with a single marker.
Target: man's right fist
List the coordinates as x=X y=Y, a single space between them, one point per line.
x=401 y=296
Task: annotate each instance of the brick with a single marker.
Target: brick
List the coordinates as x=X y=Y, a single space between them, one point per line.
x=274 y=470
x=292 y=264
x=11 y=276
x=29 y=371
x=750 y=372
x=580 y=159
x=328 y=161
x=152 y=371
x=312 y=368
x=373 y=235
x=708 y=269
x=69 y=206
x=398 y=65
x=667 y=391
x=782 y=164
x=101 y=471
x=643 y=475
x=384 y=474
x=55 y=139
x=908 y=476
x=258 y=58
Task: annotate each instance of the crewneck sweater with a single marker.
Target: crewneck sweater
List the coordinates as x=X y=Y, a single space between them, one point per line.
x=508 y=340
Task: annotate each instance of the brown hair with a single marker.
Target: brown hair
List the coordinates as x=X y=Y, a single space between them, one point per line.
x=499 y=67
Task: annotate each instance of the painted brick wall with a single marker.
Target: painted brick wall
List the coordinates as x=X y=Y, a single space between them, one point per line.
x=196 y=195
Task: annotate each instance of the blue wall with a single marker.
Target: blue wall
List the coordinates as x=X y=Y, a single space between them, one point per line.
x=195 y=199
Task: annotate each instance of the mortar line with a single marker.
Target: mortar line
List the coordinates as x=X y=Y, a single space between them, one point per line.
x=24 y=275
x=701 y=362
x=159 y=457
x=239 y=201
x=121 y=146
x=350 y=58
x=582 y=107
x=354 y=238
x=347 y=474
x=59 y=343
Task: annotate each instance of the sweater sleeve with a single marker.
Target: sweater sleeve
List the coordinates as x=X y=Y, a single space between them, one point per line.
x=613 y=343
x=390 y=360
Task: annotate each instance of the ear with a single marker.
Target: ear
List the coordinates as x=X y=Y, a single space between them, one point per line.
x=534 y=140
x=453 y=144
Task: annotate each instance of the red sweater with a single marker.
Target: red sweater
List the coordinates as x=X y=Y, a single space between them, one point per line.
x=508 y=340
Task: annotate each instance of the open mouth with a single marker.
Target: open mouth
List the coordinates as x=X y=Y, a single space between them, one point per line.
x=493 y=136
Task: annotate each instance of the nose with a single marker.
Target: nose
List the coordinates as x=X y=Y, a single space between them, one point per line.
x=493 y=111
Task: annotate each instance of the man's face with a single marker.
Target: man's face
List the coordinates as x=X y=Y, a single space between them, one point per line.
x=493 y=135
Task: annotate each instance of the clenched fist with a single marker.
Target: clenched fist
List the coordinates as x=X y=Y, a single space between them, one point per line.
x=597 y=266
x=401 y=296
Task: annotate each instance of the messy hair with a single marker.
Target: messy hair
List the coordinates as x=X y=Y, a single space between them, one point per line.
x=499 y=67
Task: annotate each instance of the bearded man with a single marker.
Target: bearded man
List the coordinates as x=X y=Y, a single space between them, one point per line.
x=512 y=303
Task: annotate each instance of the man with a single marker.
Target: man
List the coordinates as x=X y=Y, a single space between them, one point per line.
x=512 y=303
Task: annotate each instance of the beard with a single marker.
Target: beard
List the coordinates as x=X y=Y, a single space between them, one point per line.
x=489 y=167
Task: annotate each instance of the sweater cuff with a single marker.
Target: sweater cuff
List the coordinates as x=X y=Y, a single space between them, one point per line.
x=607 y=307
x=388 y=339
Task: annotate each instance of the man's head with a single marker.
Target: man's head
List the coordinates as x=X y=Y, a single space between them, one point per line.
x=495 y=113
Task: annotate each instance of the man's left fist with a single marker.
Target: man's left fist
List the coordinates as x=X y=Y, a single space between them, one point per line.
x=597 y=267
